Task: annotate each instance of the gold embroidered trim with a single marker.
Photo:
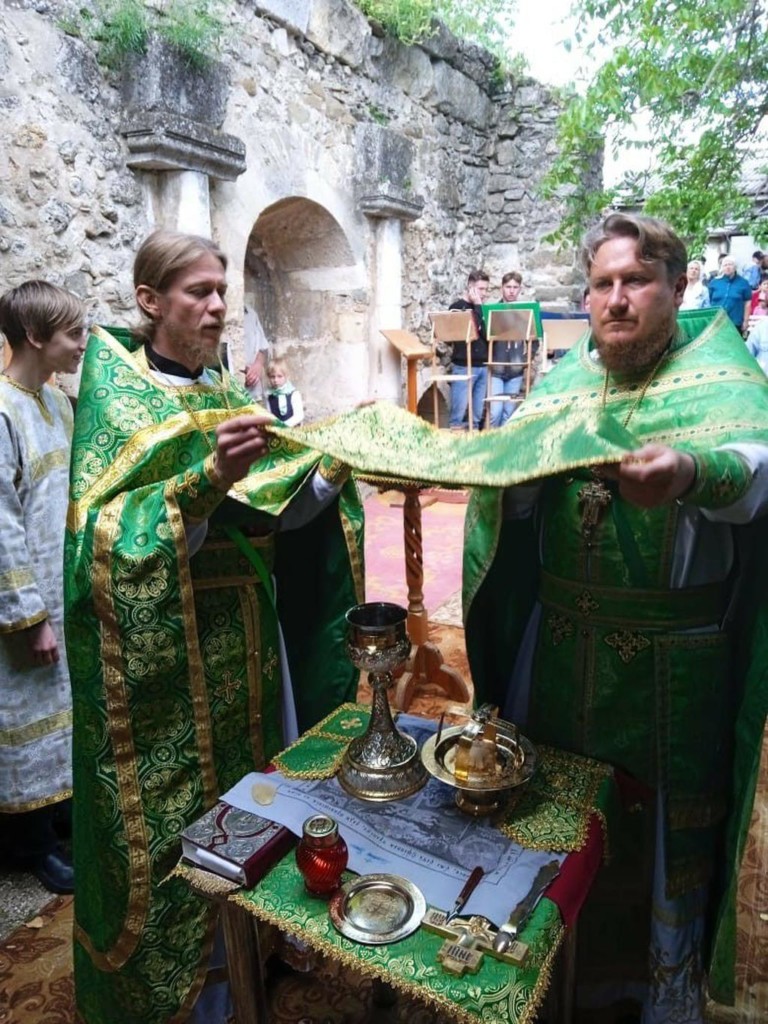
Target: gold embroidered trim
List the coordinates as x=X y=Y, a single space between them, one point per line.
x=334 y=471
x=15 y=579
x=560 y=629
x=197 y=688
x=331 y=764
x=34 y=805
x=355 y=553
x=584 y=804
x=35 y=730
x=411 y=988
x=40 y=468
x=210 y=470
x=130 y=455
x=124 y=751
x=586 y=603
x=202 y=882
x=17 y=627
x=34 y=393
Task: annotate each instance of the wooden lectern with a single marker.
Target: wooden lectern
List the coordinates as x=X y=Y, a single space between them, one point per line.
x=425 y=665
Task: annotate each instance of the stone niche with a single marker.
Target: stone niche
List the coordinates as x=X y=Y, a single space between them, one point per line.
x=309 y=294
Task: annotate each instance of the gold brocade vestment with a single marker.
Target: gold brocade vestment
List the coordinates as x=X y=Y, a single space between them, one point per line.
x=175 y=660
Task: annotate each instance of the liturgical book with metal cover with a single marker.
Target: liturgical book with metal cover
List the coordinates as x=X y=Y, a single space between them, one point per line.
x=235 y=844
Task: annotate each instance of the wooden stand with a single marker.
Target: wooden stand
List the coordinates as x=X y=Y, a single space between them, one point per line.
x=425 y=666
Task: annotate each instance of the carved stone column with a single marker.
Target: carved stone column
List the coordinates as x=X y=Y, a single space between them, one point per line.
x=171 y=121
x=384 y=160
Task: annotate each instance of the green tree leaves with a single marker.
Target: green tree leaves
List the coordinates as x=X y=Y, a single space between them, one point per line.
x=696 y=74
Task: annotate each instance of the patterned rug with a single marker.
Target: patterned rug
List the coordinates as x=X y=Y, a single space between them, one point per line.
x=36 y=984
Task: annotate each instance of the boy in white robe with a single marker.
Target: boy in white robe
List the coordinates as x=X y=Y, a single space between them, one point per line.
x=44 y=327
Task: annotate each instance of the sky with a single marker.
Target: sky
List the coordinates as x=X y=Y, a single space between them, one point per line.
x=540 y=28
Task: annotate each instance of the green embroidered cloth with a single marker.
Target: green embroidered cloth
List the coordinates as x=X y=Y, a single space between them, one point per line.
x=385 y=443
x=499 y=992
x=175 y=660
x=552 y=814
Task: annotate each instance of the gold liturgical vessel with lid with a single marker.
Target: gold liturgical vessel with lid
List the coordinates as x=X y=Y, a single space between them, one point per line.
x=485 y=759
x=382 y=764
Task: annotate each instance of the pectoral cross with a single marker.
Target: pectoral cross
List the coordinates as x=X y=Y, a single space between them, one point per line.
x=594 y=496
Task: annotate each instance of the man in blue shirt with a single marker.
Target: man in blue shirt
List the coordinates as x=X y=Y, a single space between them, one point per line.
x=754 y=272
x=732 y=293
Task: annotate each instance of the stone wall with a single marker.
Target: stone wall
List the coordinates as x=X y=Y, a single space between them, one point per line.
x=353 y=181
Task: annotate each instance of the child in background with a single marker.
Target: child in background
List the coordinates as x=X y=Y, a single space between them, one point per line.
x=283 y=400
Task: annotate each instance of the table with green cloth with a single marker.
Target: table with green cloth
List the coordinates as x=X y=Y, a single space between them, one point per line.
x=565 y=808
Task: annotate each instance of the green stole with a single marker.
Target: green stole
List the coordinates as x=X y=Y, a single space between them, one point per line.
x=174 y=661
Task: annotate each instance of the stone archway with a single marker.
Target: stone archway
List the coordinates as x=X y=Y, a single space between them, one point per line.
x=309 y=295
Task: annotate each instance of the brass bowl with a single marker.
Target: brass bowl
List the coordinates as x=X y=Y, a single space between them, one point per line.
x=516 y=764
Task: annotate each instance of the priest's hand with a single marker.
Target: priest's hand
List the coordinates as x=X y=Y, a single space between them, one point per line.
x=654 y=475
x=240 y=442
x=42 y=643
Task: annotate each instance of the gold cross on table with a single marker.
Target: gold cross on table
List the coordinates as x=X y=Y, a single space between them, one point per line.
x=467 y=940
x=594 y=496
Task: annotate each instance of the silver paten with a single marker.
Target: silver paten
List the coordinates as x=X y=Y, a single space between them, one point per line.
x=377 y=909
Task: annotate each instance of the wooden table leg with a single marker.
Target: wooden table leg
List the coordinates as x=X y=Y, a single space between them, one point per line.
x=568 y=976
x=244 y=966
x=425 y=666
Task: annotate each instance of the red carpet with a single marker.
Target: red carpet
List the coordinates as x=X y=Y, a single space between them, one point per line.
x=442 y=525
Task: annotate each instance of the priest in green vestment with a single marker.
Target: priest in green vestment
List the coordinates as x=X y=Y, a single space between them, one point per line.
x=620 y=612
x=208 y=570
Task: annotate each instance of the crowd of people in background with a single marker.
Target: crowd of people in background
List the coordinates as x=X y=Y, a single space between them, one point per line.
x=739 y=294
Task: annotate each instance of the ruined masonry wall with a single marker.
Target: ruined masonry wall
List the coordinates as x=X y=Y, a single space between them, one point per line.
x=310 y=83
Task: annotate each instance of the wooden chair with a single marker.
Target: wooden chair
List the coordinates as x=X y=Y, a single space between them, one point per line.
x=561 y=334
x=451 y=327
x=505 y=325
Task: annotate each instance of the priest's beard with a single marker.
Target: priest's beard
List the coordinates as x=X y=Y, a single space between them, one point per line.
x=199 y=351
x=631 y=357
x=204 y=355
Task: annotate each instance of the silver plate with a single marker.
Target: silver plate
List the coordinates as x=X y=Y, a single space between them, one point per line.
x=376 y=909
